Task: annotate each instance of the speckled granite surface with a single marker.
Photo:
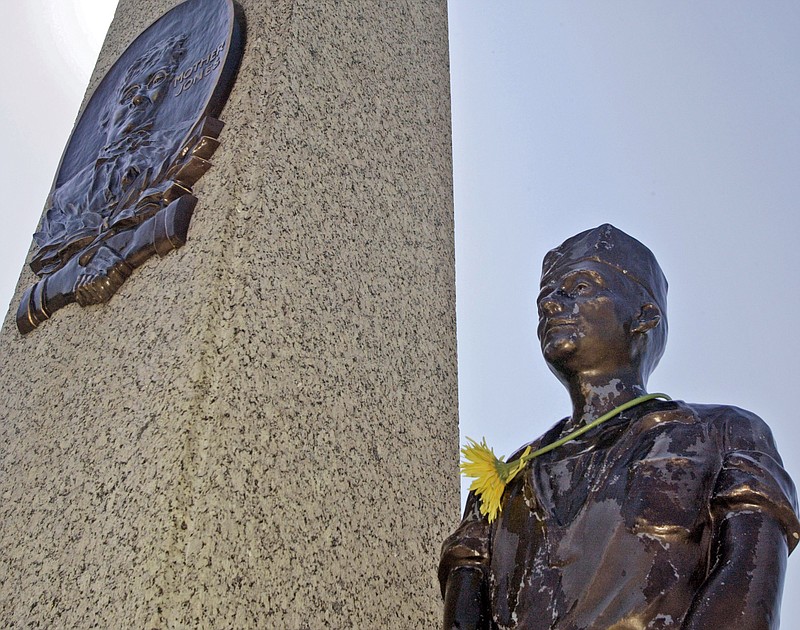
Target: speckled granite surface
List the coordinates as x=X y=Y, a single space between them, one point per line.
x=259 y=430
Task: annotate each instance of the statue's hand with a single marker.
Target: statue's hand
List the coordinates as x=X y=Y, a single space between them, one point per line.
x=101 y=278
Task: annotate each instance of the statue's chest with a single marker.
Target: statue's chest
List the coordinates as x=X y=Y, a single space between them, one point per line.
x=659 y=471
x=589 y=525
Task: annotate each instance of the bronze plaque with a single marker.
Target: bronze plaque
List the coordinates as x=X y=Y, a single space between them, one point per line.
x=123 y=190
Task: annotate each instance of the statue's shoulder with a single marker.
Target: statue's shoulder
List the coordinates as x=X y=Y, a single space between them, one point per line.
x=740 y=428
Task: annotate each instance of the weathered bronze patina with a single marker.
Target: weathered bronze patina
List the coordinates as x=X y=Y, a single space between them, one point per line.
x=123 y=188
x=671 y=515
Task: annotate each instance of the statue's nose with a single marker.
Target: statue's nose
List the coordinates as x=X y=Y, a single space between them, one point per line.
x=140 y=98
x=549 y=305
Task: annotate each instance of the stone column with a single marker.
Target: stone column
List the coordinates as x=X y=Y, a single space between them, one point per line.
x=260 y=429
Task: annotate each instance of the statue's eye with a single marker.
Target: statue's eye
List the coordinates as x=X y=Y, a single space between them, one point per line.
x=129 y=93
x=156 y=78
x=581 y=288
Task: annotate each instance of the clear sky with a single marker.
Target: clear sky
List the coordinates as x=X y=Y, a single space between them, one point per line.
x=677 y=121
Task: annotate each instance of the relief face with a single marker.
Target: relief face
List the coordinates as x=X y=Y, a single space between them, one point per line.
x=123 y=188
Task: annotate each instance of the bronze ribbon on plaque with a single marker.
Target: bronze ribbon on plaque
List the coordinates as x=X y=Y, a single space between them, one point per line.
x=123 y=190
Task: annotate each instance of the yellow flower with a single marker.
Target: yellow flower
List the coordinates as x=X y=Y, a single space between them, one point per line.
x=490 y=473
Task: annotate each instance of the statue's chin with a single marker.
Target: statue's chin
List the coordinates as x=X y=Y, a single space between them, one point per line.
x=558 y=350
x=556 y=344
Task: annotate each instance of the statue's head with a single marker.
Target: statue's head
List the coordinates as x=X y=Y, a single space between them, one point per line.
x=602 y=306
x=143 y=88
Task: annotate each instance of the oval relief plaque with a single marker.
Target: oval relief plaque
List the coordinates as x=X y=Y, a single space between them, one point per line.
x=123 y=190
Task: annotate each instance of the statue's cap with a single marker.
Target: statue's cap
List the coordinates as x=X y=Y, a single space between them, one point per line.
x=609 y=246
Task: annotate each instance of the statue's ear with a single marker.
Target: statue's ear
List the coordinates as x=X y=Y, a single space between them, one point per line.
x=649 y=317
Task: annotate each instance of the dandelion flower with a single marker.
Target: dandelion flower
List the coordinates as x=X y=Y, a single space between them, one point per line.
x=491 y=474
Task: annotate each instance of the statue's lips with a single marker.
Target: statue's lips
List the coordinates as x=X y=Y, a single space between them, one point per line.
x=550 y=324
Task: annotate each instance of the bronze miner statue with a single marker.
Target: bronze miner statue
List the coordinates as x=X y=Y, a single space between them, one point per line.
x=123 y=191
x=666 y=515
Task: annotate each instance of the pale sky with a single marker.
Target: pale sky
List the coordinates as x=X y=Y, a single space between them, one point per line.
x=677 y=121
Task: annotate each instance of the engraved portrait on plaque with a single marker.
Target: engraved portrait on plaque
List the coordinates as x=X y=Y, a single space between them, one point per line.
x=123 y=190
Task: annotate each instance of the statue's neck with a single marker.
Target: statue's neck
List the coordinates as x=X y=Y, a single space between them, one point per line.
x=592 y=396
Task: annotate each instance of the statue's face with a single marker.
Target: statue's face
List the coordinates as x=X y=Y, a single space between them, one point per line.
x=139 y=99
x=585 y=320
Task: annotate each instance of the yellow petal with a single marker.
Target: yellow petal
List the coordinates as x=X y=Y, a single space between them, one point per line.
x=490 y=474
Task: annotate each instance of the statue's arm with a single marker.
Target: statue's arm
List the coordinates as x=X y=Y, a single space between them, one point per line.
x=464 y=599
x=743 y=589
x=755 y=527
x=462 y=571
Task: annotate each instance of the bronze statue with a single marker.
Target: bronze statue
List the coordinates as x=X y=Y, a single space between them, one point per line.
x=123 y=189
x=669 y=515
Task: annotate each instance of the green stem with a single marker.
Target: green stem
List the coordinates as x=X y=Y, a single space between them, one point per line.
x=614 y=412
